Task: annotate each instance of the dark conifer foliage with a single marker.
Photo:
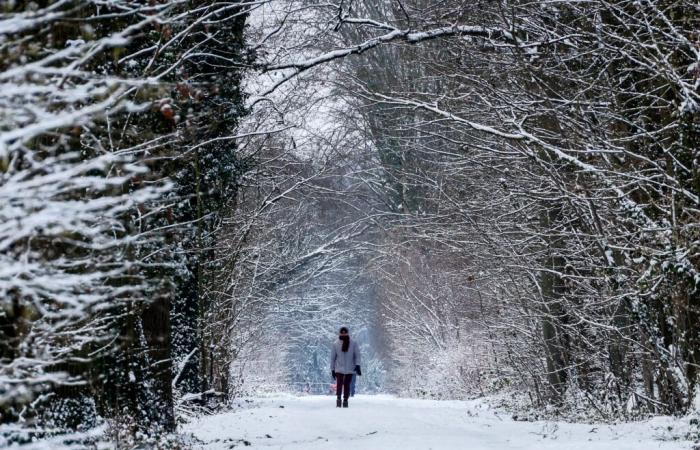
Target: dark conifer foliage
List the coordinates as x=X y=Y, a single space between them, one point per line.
x=116 y=125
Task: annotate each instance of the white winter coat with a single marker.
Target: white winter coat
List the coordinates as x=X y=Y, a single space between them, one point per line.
x=345 y=362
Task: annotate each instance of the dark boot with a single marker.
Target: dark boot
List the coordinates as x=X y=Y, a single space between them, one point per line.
x=345 y=403
x=337 y=403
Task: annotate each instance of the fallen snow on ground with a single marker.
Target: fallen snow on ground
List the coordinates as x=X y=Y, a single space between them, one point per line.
x=387 y=423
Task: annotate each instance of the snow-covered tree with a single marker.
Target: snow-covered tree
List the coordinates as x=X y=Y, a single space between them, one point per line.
x=574 y=127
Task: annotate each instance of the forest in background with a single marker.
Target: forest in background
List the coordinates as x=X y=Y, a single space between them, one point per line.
x=497 y=197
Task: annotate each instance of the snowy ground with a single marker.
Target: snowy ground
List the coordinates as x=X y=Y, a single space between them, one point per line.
x=387 y=423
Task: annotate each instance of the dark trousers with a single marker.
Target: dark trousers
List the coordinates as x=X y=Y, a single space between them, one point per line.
x=343 y=385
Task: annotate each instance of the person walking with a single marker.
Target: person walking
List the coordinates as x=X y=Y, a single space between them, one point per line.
x=345 y=361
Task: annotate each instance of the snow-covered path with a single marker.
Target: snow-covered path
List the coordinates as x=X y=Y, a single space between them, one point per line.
x=387 y=423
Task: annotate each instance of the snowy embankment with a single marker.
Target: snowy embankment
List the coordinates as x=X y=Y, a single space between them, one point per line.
x=386 y=423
